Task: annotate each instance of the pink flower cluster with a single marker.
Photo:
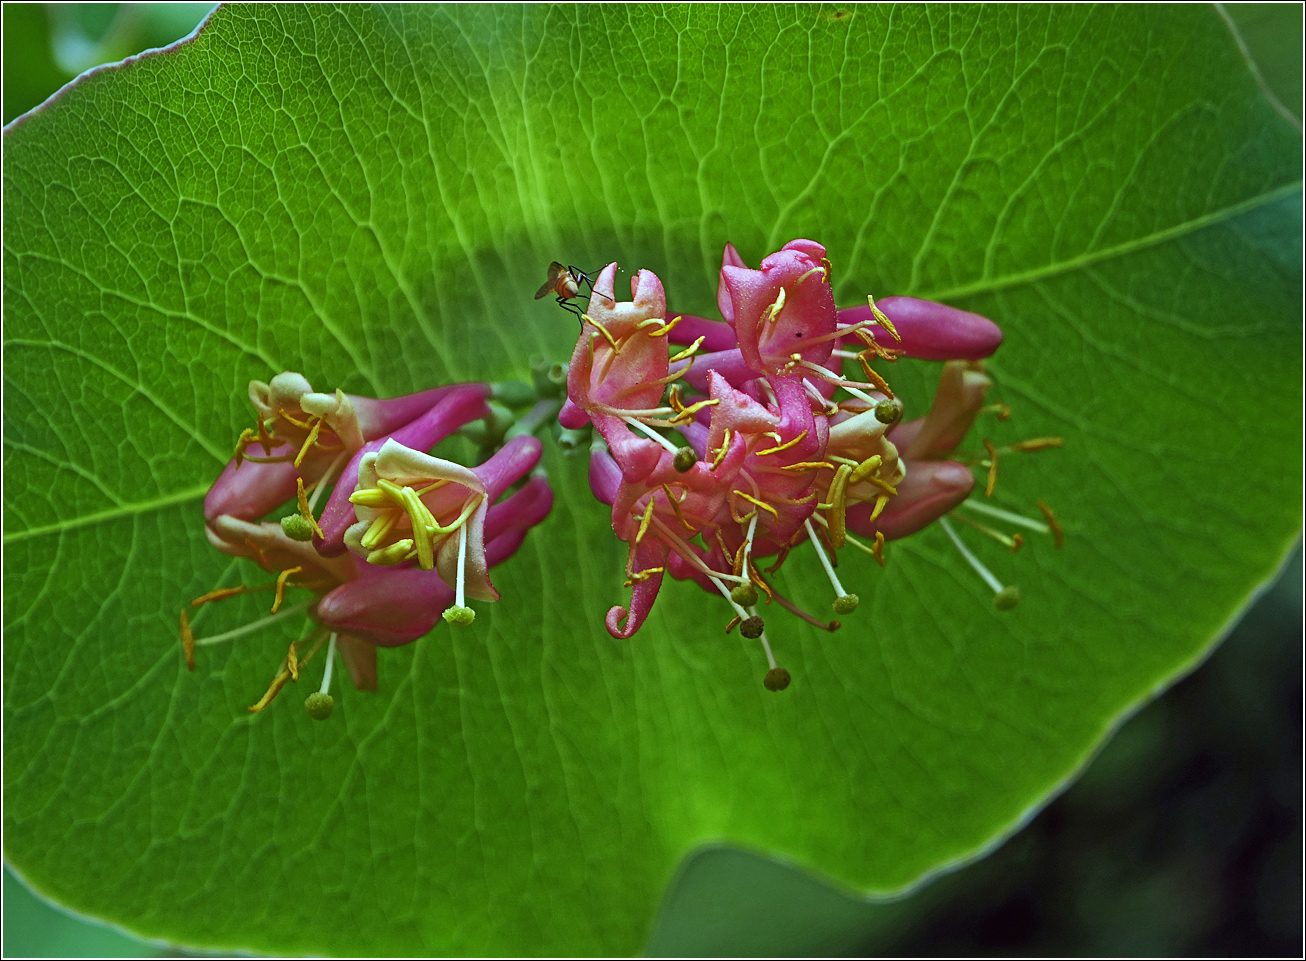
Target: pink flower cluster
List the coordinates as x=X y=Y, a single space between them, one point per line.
x=404 y=537
x=750 y=440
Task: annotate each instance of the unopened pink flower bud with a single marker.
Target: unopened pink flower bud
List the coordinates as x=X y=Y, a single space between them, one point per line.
x=930 y=490
x=928 y=331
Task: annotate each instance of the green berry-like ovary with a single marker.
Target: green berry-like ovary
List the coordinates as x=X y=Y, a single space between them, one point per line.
x=319 y=706
x=845 y=604
x=460 y=616
x=745 y=595
x=297 y=528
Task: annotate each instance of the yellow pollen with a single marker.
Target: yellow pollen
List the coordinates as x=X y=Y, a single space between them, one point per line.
x=423 y=523
x=721 y=454
x=396 y=553
x=187 y=641
x=993 y=468
x=782 y=447
x=880 y=501
x=838 y=504
x=219 y=594
x=809 y=465
x=675 y=506
x=281 y=586
x=878 y=549
x=602 y=330
x=1036 y=443
x=795 y=501
x=687 y=413
x=880 y=383
x=865 y=469
x=1057 y=535
x=378 y=530
x=302 y=499
x=292 y=662
x=673 y=399
x=753 y=500
x=274 y=689
x=643 y=524
x=308 y=441
x=882 y=320
x=242 y=444
x=688 y=351
x=666 y=328
x=814 y=270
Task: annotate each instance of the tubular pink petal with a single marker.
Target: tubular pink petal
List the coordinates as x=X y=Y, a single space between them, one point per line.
x=716 y=335
x=930 y=490
x=605 y=476
x=729 y=364
x=572 y=417
x=929 y=331
x=508 y=465
x=387 y=606
x=253 y=489
x=376 y=418
x=520 y=511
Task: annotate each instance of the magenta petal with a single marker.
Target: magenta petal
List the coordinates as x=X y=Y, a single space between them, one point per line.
x=452 y=411
x=521 y=511
x=729 y=258
x=930 y=331
x=930 y=490
x=716 y=335
x=730 y=364
x=386 y=606
x=508 y=465
x=572 y=416
x=605 y=476
x=650 y=553
x=377 y=418
x=251 y=490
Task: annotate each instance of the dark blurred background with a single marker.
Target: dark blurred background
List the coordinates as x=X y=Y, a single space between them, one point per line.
x=1184 y=836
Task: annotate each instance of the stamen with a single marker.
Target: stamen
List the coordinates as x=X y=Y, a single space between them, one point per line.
x=687 y=413
x=797 y=611
x=222 y=593
x=643 y=524
x=281 y=586
x=1035 y=443
x=759 y=581
x=640 y=576
x=187 y=640
x=308 y=441
x=460 y=614
x=292 y=662
x=274 y=689
x=773 y=311
x=880 y=503
x=766 y=507
x=652 y=433
x=721 y=454
x=733 y=621
x=844 y=354
x=829 y=269
x=882 y=320
x=330 y=663
x=602 y=330
x=1014 y=542
x=305 y=509
x=1004 y=598
x=865 y=469
x=688 y=351
x=844 y=603
x=250 y=628
x=785 y=446
x=993 y=468
x=666 y=328
x=423 y=522
x=809 y=465
x=396 y=553
x=675 y=506
x=814 y=270
x=379 y=529
x=876 y=380
x=999 y=408
x=877 y=550
x=1008 y=516
x=838 y=504
x=1057 y=536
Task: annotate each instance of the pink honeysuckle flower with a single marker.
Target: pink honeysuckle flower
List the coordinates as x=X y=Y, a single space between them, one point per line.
x=412 y=506
x=388 y=606
x=927 y=330
x=620 y=368
x=783 y=309
x=319 y=431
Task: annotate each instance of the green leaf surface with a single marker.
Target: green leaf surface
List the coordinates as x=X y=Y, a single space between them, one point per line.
x=369 y=196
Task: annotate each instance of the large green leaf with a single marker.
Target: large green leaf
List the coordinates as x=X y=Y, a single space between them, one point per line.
x=369 y=196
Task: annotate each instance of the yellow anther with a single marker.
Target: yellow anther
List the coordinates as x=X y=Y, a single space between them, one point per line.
x=829 y=269
x=643 y=575
x=292 y=662
x=877 y=550
x=838 y=504
x=882 y=320
x=187 y=640
x=809 y=465
x=666 y=328
x=756 y=578
x=423 y=523
x=302 y=424
x=865 y=469
x=795 y=501
x=675 y=506
x=879 y=382
x=274 y=689
x=753 y=500
x=378 y=530
x=1057 y=535
x=673 y=399
x=773 y=311
x=242 y=444
x=814 y=270
x=602 y=330
x=733 y=621
x=309 y=440
x=783 y=447
x=1036 y=443
x=643 y=524
x=281 y=586
x=688 y=351
x=396 y=553
x=721 y=454
x=372 y=497
x=219 y=594
x=889 y=489
x=687 y=413
x=999 y=408
x=301 y=498
x=993 y=468
x=880 y=501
